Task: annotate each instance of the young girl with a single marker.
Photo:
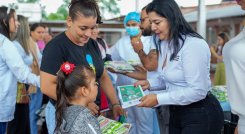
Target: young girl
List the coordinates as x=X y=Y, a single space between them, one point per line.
x=76 y=87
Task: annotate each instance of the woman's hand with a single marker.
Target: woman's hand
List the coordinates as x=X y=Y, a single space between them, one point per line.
x=140 y=68
x=136 y=43
x=117 y=111
x=148 y=101
x=93 y=108
x=143 y=83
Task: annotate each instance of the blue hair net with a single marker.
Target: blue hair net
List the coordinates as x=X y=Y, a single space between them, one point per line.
x=132 y=16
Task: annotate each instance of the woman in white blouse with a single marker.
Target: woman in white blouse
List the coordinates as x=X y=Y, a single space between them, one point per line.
x=183 y=63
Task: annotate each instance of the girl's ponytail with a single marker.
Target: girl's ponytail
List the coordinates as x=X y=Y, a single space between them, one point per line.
x=62 y=100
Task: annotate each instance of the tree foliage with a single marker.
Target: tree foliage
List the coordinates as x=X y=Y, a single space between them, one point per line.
x=109 y=6
x=55 y=16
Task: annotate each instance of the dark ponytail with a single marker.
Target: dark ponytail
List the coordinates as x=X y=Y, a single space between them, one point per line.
x=62 y=100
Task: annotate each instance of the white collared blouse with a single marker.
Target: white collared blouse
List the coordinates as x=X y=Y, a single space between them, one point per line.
x=186 y=77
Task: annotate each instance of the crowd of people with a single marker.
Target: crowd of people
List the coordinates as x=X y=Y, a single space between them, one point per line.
x=66 y=73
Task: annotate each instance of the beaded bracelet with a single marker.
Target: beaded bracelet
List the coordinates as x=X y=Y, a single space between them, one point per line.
x=116 y=104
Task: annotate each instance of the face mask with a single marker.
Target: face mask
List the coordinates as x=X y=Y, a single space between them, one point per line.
x=132 y=31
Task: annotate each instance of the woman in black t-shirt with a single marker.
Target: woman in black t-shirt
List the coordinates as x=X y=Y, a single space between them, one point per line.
x=74 y=45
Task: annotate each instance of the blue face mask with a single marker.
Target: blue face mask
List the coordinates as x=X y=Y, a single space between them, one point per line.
x=132 y=31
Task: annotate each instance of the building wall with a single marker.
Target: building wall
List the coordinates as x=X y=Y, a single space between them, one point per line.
x=231 y=25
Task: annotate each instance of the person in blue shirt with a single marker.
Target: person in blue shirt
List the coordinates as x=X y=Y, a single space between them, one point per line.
x=183 y=64
x=21 y=40
x=12 y=68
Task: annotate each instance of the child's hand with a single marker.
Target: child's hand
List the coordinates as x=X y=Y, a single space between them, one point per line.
x=93 y=108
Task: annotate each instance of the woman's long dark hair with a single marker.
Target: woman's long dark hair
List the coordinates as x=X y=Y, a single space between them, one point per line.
x=67 y=85
x=178 y=26
x=5 y=16
x=224 y=36
x=87 y=8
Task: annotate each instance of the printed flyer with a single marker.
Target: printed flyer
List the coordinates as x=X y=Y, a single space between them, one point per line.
x=130 y=95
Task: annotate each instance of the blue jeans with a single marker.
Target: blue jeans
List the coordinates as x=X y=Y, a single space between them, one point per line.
x=50 y=117
x=3 y=126
x=35 y=104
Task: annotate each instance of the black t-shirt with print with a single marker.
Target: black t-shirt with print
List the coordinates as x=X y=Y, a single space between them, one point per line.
x=61 y=49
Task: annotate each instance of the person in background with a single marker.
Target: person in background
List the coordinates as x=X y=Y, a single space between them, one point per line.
x=12 y=67
x=106 y=56
x=47 y=35
x=105 y=52
x=161 y=113
x=36 y=32
x=140 y=118
x=21 y=123
x=137 y=45
x=193 y=109
x=219 y=77
x=233 y=55
x=76 y=88
x=75 y=45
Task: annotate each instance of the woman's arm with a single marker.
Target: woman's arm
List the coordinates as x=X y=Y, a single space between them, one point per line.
x=16 y=64
x=136 y=75
x=107 y=87
x=150 y=60
x=48 y=84
x=213 y=52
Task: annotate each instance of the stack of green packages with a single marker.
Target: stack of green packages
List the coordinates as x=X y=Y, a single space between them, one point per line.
x=109 y=126
x=220 y=92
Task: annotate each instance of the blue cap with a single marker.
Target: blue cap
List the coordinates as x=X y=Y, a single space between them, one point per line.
x=132 y=16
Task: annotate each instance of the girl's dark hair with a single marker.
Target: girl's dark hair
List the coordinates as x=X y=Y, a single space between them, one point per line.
x=178 y=26
x=34 y=26
x=67 y=86
x=4 y=20
x=224 y=36
x=87 y=8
